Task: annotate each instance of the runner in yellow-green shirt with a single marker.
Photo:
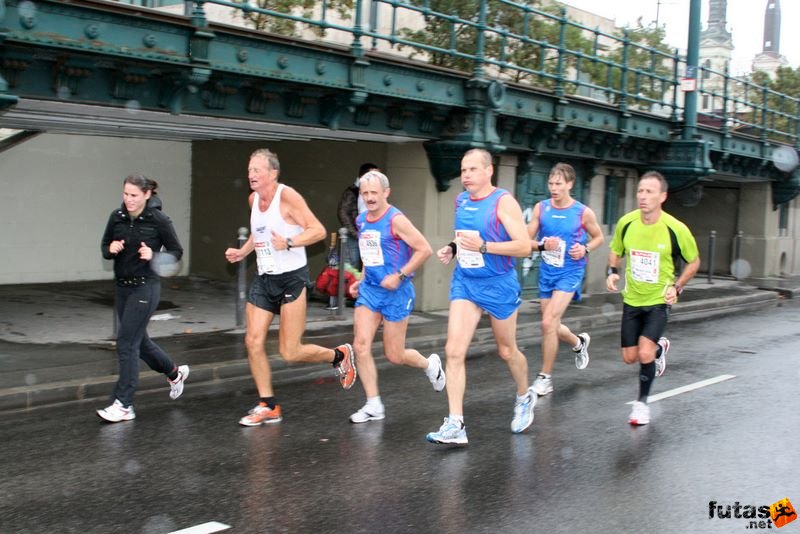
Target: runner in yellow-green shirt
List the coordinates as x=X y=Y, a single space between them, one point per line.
x=661 y=257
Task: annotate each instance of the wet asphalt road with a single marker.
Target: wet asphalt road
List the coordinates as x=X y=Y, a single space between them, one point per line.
x=580 y=468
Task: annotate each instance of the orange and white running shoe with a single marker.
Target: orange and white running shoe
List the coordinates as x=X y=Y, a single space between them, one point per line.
x=261 y=415
x=346 y=369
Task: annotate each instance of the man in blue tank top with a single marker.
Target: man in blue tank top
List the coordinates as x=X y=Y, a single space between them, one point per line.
x=391 y=249
x=564 y=231
x=489 y=234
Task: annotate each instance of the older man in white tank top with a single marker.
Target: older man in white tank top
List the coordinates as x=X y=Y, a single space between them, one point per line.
x=281 y=226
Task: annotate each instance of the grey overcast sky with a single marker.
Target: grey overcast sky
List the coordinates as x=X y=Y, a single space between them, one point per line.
x=745 y=21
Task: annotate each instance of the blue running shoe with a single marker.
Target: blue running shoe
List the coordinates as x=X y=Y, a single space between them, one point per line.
x=451 y=433
x=523 y=412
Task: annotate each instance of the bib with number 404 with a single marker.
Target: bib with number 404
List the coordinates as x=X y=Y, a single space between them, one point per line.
x=645 y=265
x=369 y=245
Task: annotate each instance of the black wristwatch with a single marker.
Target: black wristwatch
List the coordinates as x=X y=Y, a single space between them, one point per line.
x=402 y=276
x=611 y=270
x=483 y=248
x=289 y=243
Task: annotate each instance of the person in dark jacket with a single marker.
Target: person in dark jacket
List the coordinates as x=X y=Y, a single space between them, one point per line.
x=135 y=231
x=350 y=205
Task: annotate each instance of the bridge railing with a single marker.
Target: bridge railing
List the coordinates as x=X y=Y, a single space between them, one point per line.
x=741 y=104
x=540 y=47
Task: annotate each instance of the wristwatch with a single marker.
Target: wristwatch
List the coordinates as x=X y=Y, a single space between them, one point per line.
x=402 y=276
x=483 y=248
x=289 y=243
x=678 y=289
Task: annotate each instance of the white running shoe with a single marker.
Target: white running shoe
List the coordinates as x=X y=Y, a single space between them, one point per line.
x=640 y=415
x=582 y=354
x=368 y=413
x=176 y=387
x=523 y=412
x=436 y=374
x=450 y=433
x=117 y=412
x=661 y=361
x=543 y=385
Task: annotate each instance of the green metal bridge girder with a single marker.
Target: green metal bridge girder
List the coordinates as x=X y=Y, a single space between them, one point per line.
x=109 y=54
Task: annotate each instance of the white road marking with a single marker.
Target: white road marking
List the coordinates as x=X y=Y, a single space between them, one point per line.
x=684 y=389
x=205 y=528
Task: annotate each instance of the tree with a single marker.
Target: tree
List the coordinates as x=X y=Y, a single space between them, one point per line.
x=783 y=103
x=442 y=32
x=284 y=26
x=647 y=63
x=523 y=45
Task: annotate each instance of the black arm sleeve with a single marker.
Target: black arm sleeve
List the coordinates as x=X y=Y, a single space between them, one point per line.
x=169 y=239
x=108 y=237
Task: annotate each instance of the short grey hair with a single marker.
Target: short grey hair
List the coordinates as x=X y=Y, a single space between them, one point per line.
x=270 y=156
x=375 y=175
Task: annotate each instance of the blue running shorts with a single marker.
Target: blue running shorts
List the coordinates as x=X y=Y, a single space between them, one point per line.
x=566 y=281
x=498 y=295
x=393 y=305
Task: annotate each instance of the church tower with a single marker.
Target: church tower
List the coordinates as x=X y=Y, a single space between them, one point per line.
x=716 y=48
x=770 y=58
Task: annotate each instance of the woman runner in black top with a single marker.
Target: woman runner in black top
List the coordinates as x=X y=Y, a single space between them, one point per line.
x=134 y=232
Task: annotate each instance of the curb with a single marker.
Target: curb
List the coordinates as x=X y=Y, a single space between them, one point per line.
x=234 y=375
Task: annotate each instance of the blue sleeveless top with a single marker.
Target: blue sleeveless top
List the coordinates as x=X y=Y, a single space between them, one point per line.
x=481 y=215
x=565 y=224
x=382 y=252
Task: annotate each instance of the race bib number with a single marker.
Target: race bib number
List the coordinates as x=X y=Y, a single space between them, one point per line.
x=369 y=244
x=555 y=257
x=468 y=259
x=644 y=266
x=265 y=258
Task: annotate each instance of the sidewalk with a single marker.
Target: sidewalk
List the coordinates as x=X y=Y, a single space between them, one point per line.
x=56 y=346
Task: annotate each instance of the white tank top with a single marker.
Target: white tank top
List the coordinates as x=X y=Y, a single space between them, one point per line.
x=262 y=224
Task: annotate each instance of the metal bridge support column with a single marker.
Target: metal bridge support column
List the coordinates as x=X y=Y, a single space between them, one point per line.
x=692 y=60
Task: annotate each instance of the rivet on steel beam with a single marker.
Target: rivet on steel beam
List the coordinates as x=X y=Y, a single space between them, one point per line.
x=91 y=31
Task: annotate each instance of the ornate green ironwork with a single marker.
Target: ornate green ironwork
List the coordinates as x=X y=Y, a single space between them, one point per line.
x=502 y=75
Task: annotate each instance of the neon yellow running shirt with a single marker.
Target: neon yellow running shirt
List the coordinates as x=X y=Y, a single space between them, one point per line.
x=653 y=254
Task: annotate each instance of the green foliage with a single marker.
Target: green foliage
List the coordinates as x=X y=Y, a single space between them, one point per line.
x=445 y=34
x=524 y=46
x=303 y=8
x=782 y=102
x=644 y=63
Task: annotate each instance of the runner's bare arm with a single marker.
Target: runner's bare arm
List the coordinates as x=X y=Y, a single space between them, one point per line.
x=510 y=215
x=234 y=255
x=612 y=278
x=299 y=213
x=533 y=228
x=406 y=231
x=596 y=237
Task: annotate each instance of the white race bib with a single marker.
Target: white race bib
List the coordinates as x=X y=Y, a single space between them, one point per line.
x=645 y=265
x=369 y=244
x=468 y=259
x=265 y=259
x=555 y=257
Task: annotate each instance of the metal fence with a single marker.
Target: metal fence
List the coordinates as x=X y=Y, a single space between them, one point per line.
x=539 y=47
